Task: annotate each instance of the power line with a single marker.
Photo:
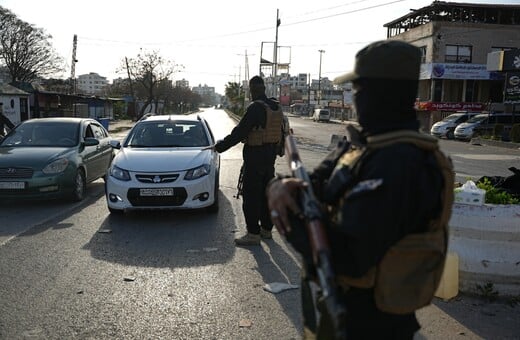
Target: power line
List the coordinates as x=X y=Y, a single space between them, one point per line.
x=343 y=13
x=249 y=31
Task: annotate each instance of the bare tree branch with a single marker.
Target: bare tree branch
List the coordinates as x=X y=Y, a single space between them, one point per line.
x=26 y=50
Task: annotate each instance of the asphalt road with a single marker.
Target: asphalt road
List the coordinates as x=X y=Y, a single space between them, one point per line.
x=73 y=271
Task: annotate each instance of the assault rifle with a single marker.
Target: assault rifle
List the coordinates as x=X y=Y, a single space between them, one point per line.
x=313 y=217
x=240 y=183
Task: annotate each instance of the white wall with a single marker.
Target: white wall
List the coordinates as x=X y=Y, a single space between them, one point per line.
x=11 y=111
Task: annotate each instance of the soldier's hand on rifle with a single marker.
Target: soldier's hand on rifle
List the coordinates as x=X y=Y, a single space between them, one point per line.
x=281 y=199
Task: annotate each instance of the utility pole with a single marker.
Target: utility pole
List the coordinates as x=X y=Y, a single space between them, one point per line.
x=73 y=65
x=73 y=72
x=131 y=87
x=319 y=78
x=309 y=95
x=246 y=82
x=275 y=57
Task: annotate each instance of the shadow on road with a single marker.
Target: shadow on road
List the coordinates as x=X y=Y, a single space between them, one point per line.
x=278 y=263
x=488 y=319
x=167 y=239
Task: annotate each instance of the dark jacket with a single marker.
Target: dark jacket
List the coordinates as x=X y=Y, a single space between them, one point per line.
x=374 y=217
x=254 y=117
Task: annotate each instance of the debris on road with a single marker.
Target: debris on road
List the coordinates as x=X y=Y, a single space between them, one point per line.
x=277 y=287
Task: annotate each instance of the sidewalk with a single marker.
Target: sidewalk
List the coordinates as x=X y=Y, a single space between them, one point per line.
x=116 y=126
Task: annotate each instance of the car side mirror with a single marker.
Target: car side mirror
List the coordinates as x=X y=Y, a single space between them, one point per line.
x=114 y=143
x=91 y=141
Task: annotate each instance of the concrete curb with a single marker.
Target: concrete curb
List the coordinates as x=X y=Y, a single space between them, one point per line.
x=490 y=142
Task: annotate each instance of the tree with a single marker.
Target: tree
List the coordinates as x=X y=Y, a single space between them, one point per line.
x=235 y=95
x=148 y=70
x=26 y=50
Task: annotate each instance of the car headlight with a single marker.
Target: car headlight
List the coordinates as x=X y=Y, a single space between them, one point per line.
x=120 y=174
x=199 y=172
x=56 y=166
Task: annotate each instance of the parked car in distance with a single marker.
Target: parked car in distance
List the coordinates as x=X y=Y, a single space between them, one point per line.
x=165 y=162
x=484 y=124
x=446 y=127
x=321 y=115
x=46 y=158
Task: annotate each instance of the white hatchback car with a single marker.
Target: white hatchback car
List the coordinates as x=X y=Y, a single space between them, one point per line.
x=165 y=163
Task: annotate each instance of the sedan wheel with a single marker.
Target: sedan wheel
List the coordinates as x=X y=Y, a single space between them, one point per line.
x=80 y=186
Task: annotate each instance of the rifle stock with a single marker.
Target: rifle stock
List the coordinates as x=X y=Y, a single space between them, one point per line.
x=318 y=240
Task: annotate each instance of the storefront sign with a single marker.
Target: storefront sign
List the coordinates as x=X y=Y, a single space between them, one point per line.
x=511 y=60
x=442 y=106
x=512 y=88
x=455 y=71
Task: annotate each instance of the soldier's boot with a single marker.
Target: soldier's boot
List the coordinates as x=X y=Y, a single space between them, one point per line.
x=266 y=234
x=248 y=240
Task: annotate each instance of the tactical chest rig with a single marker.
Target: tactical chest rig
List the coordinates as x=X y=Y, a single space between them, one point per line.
x=271 y=134
x=408 y=274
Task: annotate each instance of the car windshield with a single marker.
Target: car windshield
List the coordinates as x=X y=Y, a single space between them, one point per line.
x=452 y=118
x=164 y=134
x=40 y=134
x=477 y=119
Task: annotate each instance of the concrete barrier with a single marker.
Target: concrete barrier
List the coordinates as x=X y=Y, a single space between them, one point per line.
x=487 y=241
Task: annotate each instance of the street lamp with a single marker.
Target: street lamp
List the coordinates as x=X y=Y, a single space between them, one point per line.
x=319 y=78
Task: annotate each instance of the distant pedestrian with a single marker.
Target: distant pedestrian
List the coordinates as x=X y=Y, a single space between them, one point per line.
x=4 y=121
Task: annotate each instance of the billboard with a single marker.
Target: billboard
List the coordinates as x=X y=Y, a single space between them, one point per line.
x=512 y=88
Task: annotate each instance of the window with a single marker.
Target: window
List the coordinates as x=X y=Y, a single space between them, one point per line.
x=423 y=54
x=471 y=90
x=458 y=54
x=437 y=90
x=99 y=133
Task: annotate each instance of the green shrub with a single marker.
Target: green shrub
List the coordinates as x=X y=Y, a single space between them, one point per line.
x=514 y=134
x=495 y=195
x=498 y=130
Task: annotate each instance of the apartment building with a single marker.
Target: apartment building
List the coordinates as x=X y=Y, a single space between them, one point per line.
x=91 y=83
x=207 y=94
x=455 y=40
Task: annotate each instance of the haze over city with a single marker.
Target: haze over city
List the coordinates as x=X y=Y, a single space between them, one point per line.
x=210 y=40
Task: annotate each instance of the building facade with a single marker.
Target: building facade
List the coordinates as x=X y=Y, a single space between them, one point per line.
x=91 y=83
x=207 y=94
x=455 y=40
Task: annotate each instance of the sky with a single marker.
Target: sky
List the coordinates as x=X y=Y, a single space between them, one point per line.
x=214 y=42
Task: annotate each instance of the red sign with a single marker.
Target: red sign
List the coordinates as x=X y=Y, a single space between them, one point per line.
x=442 y=106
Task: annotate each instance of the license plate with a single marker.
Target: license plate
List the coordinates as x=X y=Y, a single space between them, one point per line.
x=156 y=192
x=12 y=185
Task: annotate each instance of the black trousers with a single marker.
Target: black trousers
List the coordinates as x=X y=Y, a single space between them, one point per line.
x=363 y=321
x=257 y=175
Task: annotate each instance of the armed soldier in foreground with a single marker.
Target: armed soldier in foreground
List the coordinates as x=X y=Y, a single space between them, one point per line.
x=387 y=193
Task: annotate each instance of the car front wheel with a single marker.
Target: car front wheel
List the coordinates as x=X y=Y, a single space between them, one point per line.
x=80 y=186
